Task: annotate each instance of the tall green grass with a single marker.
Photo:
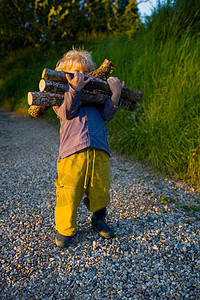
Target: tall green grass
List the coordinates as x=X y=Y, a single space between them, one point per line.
x=20 y=73
x=165 y=128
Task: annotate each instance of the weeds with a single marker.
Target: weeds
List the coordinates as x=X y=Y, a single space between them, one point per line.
x=192 y=208
x=166 y=200
x=187 y=208
x=165 y=127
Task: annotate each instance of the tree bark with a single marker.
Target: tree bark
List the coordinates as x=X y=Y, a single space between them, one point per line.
x=95 y=85
x=37 y=111
x=102 y=73
x=52 y=87
x=88 y=98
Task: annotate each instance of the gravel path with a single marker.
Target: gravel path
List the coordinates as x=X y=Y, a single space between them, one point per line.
x=155 y=254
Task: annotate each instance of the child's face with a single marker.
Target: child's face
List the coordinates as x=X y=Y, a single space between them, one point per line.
x=78 y=69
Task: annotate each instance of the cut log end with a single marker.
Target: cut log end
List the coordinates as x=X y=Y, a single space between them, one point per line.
x=30 y=98
x=42 y=85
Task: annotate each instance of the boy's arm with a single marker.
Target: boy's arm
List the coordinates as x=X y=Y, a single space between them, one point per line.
x=116 y=88
x=70 y=104
x=112 y=104
x=72 y=96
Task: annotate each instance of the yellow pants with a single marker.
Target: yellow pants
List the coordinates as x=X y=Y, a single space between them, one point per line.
x=87 y=171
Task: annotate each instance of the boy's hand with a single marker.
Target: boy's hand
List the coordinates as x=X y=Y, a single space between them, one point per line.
x=116 y=88
x=77 y=82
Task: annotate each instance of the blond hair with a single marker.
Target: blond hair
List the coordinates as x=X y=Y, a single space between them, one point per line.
x=79 y=58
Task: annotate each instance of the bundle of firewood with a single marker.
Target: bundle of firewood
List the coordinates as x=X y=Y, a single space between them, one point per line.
x=96 y=92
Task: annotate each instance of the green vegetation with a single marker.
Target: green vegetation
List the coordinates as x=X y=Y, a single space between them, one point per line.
x=187 y=208
x=20 y=73
x=192 y=208
x=161 y=59
x=165 y=127
x=166 y=200
x=48 y=22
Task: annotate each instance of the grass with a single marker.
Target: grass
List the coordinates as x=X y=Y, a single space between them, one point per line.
x=20 y=73
x=187 y=208
x=166 y=200
x=165 y=128
x=191 y=208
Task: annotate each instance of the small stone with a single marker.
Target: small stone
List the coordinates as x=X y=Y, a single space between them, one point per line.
x=51 y=258
x=139 y=290
x=184 y=249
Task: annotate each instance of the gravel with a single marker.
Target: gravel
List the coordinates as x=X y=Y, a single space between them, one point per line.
x=155 y=254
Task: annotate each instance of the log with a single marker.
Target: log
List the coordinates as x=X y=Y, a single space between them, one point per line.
x=52 y=87
x=88 y=98
x=37 y=111
x=102 y=72
x=42 y=99
x=94 y=84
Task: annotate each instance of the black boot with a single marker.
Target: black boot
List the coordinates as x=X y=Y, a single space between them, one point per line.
x=62 y=241
x=99 y=224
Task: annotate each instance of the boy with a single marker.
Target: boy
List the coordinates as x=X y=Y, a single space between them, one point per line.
x=84 y=161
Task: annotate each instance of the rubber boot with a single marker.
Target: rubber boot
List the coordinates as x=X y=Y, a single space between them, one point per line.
x=99 y=224
x=62 y=241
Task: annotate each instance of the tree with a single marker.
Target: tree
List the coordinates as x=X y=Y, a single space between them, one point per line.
x=115 y=17
x=126 y=17
x=39 y=22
